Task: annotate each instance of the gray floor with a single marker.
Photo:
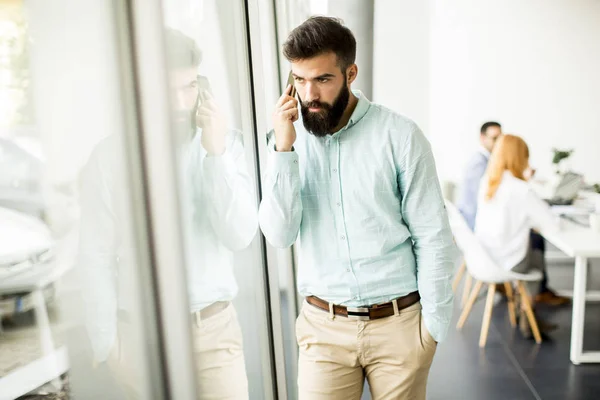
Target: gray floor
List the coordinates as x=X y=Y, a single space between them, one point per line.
x=511 y=367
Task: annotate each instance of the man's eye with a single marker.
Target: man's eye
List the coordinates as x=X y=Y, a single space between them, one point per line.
x=322 y=80
x=299 y=79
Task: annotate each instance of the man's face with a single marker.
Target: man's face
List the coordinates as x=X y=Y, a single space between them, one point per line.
x=323 y=92
x=184 y=86
x=490 y=137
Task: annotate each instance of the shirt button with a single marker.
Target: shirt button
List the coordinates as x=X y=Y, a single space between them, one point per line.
x=343 y=238
x=339 y=204
x=355 y=297
x=335 y=170
x=347 y=269
x=295 y=161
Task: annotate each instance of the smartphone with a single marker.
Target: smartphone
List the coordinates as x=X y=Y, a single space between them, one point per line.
x=291 y=81
x=203 y=86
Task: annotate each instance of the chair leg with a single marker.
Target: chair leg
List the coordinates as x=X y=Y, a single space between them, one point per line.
x=529 y=312
x=487 y=316
x=458 y=277
x=466 y=290
x=511 y=303
x=469 y=305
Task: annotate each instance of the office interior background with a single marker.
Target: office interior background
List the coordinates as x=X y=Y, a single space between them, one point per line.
x=76 y=73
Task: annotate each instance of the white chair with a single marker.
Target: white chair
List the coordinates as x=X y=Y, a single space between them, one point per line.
x=485 y=271
x=462 y=270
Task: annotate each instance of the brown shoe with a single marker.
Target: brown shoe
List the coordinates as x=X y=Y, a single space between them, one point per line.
x=551 y=299
x=543 y=326
x=500 y=289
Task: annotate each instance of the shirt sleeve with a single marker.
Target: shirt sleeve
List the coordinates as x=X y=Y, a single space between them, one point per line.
x=229 y=195
x=467 y=203
x=280 y=212
x=423 y=210
x=97 y=259
x=540 y=214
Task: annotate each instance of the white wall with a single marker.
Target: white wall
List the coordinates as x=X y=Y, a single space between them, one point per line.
x=532 y=65
x=357 y=15
x=401 y=58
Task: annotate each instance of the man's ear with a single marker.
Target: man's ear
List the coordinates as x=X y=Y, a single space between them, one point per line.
x=351 y=73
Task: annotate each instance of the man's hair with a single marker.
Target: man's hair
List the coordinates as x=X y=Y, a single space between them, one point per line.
x=489 y=124
x=182 y=50
x=319 y=35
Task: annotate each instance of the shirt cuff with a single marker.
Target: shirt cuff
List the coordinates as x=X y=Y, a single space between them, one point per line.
x=223 y=165
x=283 y=162
x=437 y=329
x=102 y=345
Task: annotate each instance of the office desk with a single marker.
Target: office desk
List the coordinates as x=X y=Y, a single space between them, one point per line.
x=581 y=243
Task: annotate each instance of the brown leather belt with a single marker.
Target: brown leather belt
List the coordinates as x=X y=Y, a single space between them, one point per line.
x=211 y=310
x=367 y=313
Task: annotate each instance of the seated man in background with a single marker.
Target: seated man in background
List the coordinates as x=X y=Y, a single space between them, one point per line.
x=467 y=203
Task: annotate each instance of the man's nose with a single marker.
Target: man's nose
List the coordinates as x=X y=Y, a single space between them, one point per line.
x=311 y=94
x=179 y=100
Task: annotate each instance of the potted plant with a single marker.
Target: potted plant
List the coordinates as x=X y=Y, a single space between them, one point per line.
x=559 y=156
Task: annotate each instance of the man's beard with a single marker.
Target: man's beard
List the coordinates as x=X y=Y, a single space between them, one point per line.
x=324 y=121
x=185 y=123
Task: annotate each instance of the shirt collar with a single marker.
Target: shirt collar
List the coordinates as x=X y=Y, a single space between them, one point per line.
x=360 y=110
x=484 y=151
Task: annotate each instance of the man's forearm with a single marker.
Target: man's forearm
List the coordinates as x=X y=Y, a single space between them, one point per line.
x=280 y=211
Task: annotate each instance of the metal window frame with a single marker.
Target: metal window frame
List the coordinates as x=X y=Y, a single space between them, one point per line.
x=142 y=24
x=161 y=192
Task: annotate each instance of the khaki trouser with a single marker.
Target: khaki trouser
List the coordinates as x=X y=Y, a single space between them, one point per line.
x=394 y=353
x=219 y=357
x=124 y=361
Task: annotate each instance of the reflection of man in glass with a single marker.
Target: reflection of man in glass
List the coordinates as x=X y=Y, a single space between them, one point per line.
x=222 y=219
x=219 y=218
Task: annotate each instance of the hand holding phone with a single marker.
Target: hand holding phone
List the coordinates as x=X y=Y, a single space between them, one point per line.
x=214 y=127
x=284 y=116
x=203 y=86
x=291 y=82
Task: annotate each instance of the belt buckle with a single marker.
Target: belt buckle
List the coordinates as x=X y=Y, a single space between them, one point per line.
x=358 y=313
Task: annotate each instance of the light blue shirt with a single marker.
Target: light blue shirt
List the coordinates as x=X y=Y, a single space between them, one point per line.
x=219 y=218
x=467 y=202
x=367 y=209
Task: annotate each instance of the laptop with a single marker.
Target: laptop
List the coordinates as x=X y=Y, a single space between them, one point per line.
x=566 y=190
